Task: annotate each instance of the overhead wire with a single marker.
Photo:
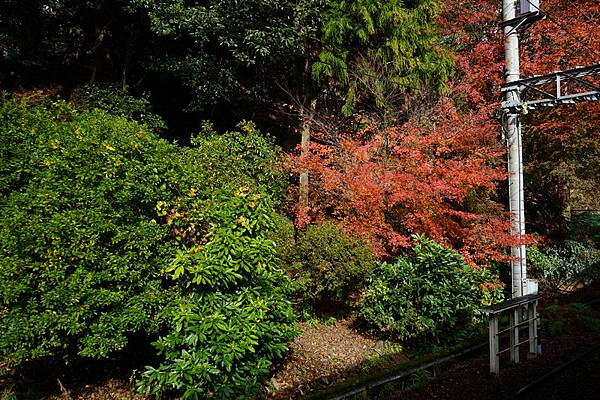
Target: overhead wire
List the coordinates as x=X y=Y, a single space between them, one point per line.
x=567 y=31
x=593 y=31
x=585 y=16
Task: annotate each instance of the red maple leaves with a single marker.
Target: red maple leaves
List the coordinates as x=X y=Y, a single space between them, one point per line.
x=437 y=173
x=432 y=175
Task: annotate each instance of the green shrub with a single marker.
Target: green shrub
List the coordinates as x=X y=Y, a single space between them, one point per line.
x=430 y=296
x=585 y=227
x=82 y=254
x=284 y=237
x=553 y=327
x=115 y=101
x=233 y=318
x=96 y=212
x=329 y=264
x=238 y=158
x=563 y=266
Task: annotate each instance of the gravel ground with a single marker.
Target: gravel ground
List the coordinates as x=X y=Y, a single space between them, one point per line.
x=324 y=354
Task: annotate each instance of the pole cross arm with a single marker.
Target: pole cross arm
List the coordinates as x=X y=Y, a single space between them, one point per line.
x=523 y=21
x=561 y=87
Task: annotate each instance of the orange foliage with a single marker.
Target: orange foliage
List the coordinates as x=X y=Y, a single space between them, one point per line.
x=437 y=173
x=385 y=185
x=569 y=38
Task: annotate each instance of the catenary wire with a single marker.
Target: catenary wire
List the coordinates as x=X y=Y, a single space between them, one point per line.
x=567 y=31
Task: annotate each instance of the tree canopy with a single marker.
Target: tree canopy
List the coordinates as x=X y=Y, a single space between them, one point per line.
x=196 y=173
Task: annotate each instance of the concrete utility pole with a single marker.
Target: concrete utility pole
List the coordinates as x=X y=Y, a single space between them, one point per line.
x=512 y=127
x=561 y=87
x=557 y=88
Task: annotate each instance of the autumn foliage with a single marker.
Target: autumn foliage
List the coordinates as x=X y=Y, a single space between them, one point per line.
x=566 y=39
x=430 y=176
x=437 y=172
x=434 y=174
x=563 y=143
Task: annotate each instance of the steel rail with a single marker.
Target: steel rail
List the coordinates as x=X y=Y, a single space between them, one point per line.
x=556 y=370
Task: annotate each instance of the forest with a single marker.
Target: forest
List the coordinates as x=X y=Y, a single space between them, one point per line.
x=195 y=194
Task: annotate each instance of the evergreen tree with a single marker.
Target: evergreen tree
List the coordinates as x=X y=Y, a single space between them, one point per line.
x=380 y=50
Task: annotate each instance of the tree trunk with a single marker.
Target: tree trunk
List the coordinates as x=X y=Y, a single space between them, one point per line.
x=307 y=116
x=100 y=31
x=303 y=200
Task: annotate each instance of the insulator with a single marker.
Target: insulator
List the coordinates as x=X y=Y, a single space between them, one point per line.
x=528 y=6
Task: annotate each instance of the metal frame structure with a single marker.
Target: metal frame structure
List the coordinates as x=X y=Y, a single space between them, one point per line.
x=566 y=87
x=561 y=87
x=522 y=312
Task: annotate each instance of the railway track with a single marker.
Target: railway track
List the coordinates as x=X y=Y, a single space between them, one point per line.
x=404 y=375
x=570 y=377
x=533 y=387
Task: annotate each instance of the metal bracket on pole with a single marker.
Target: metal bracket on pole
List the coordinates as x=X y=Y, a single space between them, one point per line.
x=523 y=21
x=561 y=87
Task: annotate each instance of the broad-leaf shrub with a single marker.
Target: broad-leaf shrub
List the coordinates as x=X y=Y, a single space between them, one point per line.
x=329 y=264
x=284 y=236
x=97 y=212
x=563 y=266
x=81 y=252
x=233 y=317
x=244 y=157
x=430 y=296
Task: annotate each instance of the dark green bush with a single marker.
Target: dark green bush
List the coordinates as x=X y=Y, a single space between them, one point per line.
x=284 y=237
x=233 y=318
x=430 y=296
x=115 y=101
x=329 y=264
x=82 y=253
x=562 y=266
x=585 y=227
